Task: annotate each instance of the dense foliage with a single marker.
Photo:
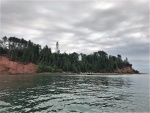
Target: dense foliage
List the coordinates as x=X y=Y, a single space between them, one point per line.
x=26 y=51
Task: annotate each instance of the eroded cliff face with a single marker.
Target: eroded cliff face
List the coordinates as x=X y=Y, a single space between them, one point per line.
x=12 y=67
x=124 y=70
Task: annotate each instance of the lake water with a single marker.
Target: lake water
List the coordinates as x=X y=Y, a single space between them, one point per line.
x=74 y=94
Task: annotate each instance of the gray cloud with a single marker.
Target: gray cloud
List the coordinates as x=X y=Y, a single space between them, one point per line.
x=117 y=27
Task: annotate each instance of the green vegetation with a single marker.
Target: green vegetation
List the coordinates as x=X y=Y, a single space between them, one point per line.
x=26 y=51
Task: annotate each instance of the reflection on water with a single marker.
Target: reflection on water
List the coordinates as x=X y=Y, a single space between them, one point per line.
x=74 y=94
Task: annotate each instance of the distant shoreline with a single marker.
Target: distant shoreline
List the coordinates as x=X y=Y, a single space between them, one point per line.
x=67 y=73
x=50 y=74
x=70 y=73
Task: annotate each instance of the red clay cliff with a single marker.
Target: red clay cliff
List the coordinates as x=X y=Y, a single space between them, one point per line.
x=124 y=70
x=12 y=67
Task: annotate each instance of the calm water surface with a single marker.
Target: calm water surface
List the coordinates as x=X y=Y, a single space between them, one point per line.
x=74 y=94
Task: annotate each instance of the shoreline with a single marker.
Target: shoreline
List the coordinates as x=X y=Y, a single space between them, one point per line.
x=8 y=67
x=84 y=74
x=70 y=73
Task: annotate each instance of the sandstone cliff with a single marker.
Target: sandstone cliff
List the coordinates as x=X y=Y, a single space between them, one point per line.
x=124 y=70
x=12 y=67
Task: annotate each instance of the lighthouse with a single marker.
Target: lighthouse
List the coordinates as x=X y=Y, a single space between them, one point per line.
x=57 y=48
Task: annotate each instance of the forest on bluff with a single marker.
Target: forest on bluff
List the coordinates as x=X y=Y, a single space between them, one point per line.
x=26 y=51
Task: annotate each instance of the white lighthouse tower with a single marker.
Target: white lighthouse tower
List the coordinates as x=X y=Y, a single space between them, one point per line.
x=57 y=48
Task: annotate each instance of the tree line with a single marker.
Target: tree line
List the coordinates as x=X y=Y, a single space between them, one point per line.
x=26 y=51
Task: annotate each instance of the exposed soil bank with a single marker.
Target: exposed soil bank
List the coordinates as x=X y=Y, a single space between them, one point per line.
x=124 y=70
x=12 y=67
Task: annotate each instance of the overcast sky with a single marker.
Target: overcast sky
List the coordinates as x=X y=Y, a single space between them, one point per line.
x=115 y=26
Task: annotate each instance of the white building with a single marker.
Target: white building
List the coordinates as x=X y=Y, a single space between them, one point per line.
x=80 y=57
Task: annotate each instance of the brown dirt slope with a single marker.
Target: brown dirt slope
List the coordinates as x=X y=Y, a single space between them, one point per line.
x=12 y=67
x=125 y=70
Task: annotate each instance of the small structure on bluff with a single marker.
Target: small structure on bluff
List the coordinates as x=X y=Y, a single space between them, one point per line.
x=57 y=48
x=80 y=57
